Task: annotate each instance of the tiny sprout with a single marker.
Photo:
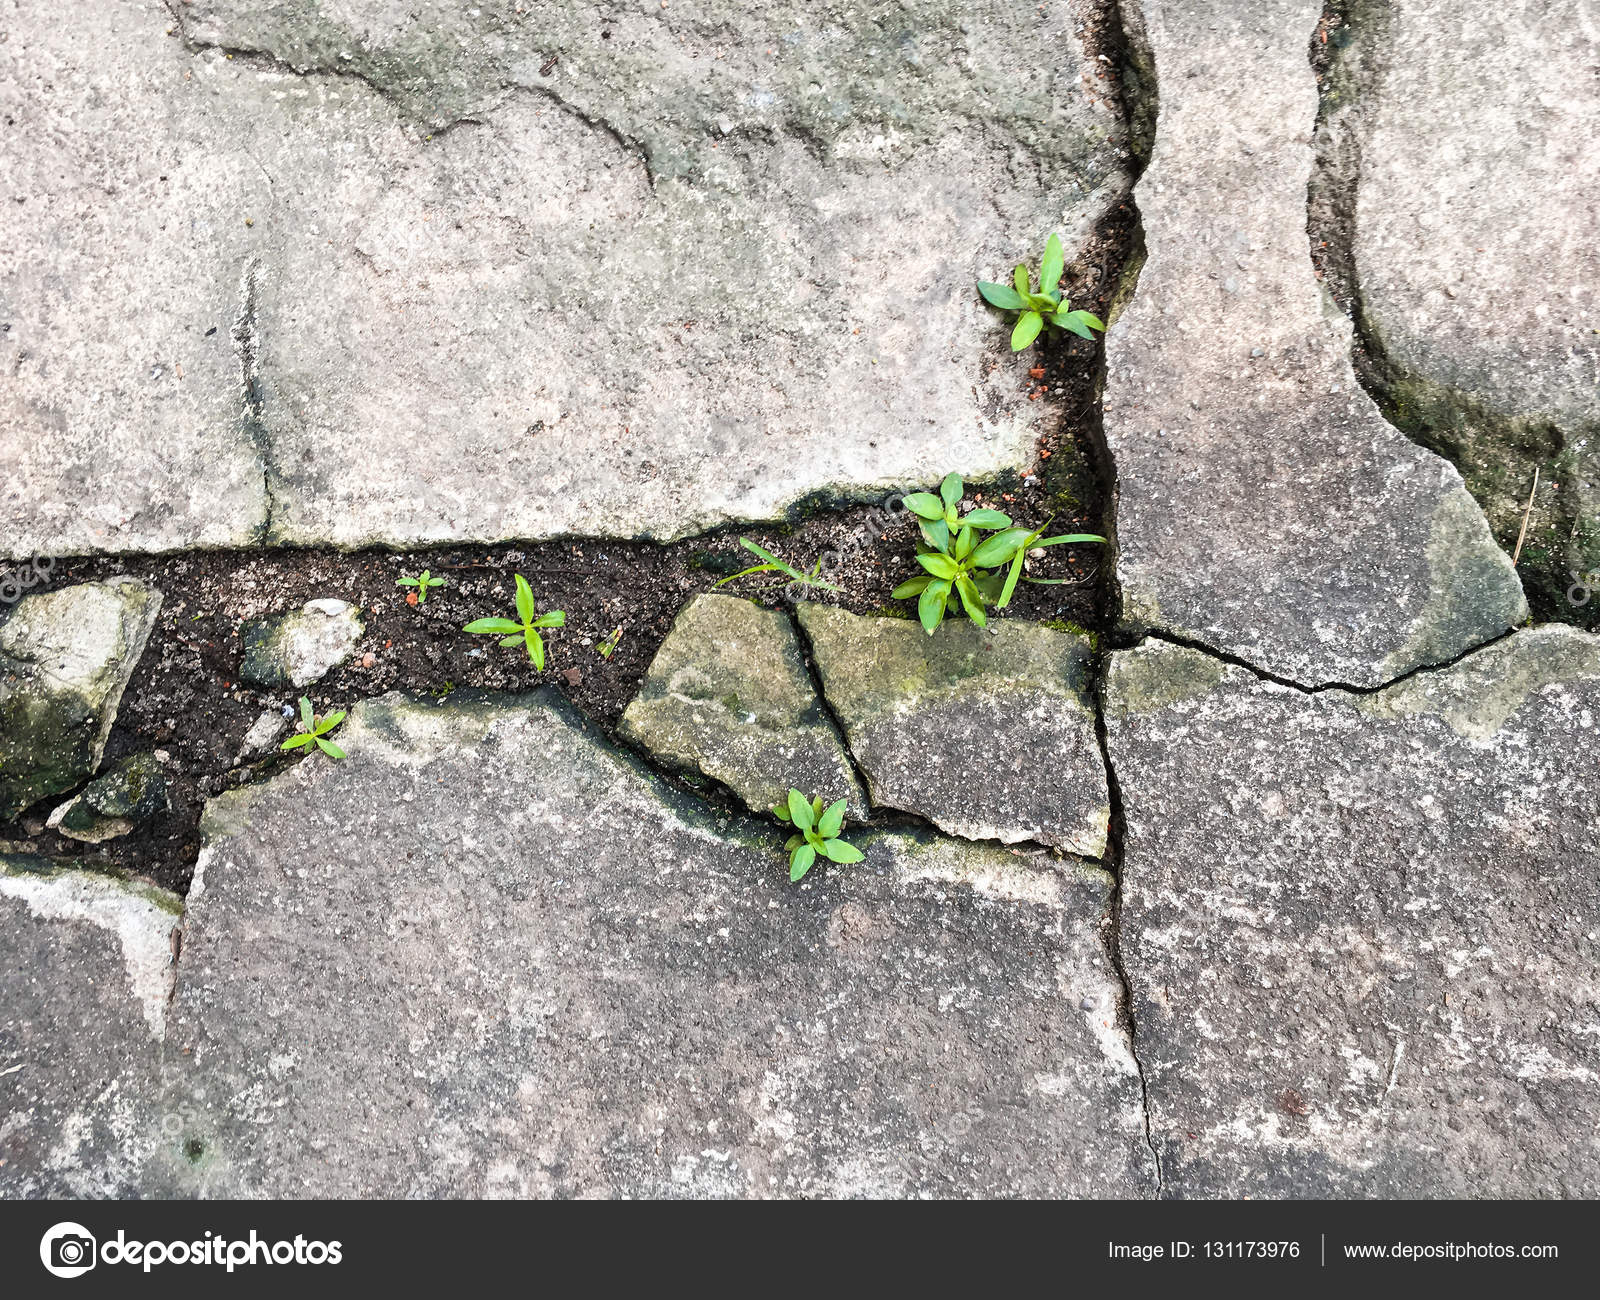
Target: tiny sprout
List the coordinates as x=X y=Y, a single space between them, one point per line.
x=1047 y=307
x=817 y=833
x=421 y=583
x=523 y=631
x=315 y=732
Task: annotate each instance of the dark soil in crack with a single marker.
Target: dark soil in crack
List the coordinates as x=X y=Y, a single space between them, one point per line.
x=186 y=702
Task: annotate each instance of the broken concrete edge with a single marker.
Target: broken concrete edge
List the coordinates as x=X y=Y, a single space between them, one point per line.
x=141 y=915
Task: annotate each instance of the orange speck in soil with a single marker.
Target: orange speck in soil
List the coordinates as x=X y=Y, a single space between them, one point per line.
x=411 y=598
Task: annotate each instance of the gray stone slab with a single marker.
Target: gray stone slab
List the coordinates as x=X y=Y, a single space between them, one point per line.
x=1360 y=930
x=728 y=696
x=300 y=647
x=1265 y=508
x=487 y=954
x=601 y=303
x=88 y=971
x=988 y=734
x=65 y=658
x=1476 y=184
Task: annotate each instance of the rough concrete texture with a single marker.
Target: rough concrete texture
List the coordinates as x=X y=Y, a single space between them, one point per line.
x=1265 y=508
x=988 y=734
x=1467 y=132
x=88 y=970
x=1360 y=930
x=301 y=647
x=601 y=303
x=65 y=659
x=114 y=802
x=432 y=969
x=728 y=696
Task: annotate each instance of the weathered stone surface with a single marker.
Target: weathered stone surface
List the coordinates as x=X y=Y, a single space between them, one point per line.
x=1476 y=187
x=299 y=648
x=1361 y=930
x=88 y=970
x=65 y=658
x=990 y=735
x=1265 y=508
x=114 y=803
x=263 y=735
x=728 y=696
x=488 y=954
x=602 y=303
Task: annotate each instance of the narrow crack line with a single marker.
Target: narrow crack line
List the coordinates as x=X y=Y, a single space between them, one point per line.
x=246 y=335
x=1116 y=841
x=808 y=656
x=1347 y=688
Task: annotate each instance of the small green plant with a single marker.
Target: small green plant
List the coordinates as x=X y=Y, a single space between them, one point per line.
x=1047 y=307
x=315 y=732
x=525 y=629
x=608 y=647
x=774 y=565
x=978 y=573
x=421 y=583
x=816 y=832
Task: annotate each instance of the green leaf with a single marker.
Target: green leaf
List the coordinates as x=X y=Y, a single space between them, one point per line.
x=1055 y=261
x=988 y=585
x=1028 y=326
x=972 y=602
x=829 y=823
x=963 y=546
x=937 y=533
x=792 y=842
x=941 y=566
x=305 y=712
x=555 y=618
x=329 y=723
x=839 y=851
x=925 y=505
x=800 y=862
x=773 y=560
x=1067 y=539
x=988 y=519
x=800 y=810
x=525 y=606
x=1042 y=303
x=781 y=811
x=952 y=489
x=930 y=607
x=911 y=587
x=329 y=748
x=406 y=582
x=294 y=742
x=1011 y=578
x=996 y=550
x=1019 y=277
x=1000 y=295
x=496 y=625
x=535 y=648
x=1080 y=322
x=754 y=568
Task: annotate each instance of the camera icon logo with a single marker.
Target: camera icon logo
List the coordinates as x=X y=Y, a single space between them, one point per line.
x=68 y=1250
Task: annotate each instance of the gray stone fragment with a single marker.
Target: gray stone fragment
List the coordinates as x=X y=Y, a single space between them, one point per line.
x=990 y=735
x=263 y=734
x=65 y=659
x=88 y=964
x=488 y=954
x=1265 y=508
x=1475 y=190
x=115 y=802
x=728 y=695
x=1360 y=930
x=301 y=647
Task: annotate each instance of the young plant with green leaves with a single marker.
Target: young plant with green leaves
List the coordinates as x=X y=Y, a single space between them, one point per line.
x=979 y=572
x=1045 y=308
x=314 y=731
x=816 y=833
x=422 y=582
x=525 y=629
x=773 y=564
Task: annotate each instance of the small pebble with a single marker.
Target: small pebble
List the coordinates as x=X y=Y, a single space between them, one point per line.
x=1086 y=1005
x=368 y=659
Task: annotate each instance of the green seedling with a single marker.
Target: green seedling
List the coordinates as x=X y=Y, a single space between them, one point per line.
x=525 y=629
x=421 y=583
x=774 y=565
x=608 y=647
x=314 y=732
x=817 y=833
x=978 y=572
x=1045 y=308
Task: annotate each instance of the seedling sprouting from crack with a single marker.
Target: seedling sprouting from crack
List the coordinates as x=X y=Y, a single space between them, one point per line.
x=774 y=565
x=957 y=562
x=1045 y=308
x=525 y=630
x=422 y=582
x=817 y=833
x=315 y=732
